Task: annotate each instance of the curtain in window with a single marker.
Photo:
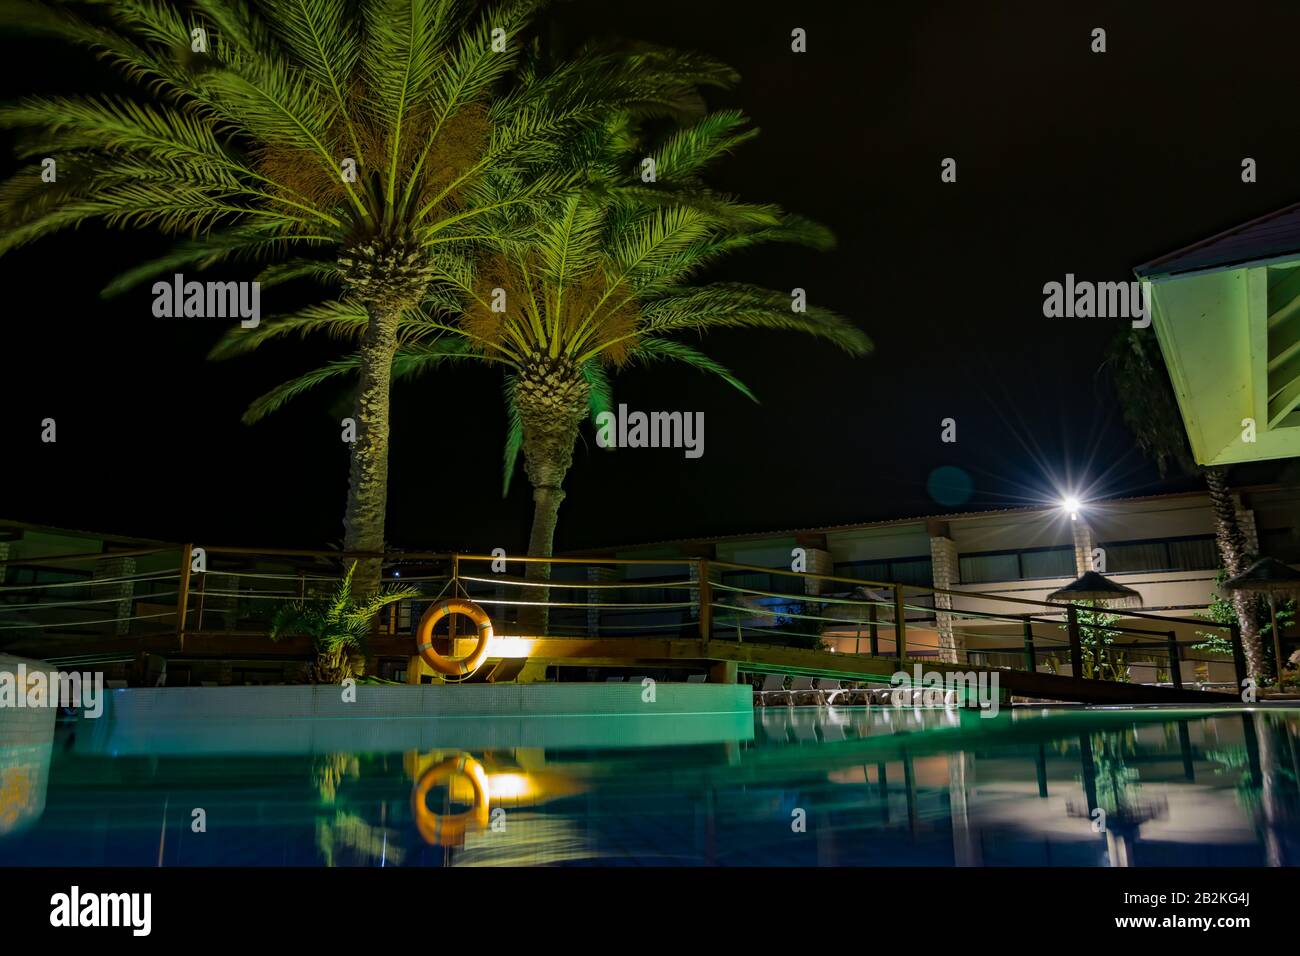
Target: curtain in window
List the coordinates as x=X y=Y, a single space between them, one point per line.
x=1198 y=554
x=981 y=568
x=1056 y=563
x=1151 y=556
x=912 y=571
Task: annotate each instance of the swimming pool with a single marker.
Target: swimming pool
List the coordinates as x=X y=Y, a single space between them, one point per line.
x=801 y=786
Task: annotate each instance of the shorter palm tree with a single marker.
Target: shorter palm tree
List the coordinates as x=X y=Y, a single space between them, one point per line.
x=338 y=626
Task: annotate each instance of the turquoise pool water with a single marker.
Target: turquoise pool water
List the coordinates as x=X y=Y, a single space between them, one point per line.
x=797 y=787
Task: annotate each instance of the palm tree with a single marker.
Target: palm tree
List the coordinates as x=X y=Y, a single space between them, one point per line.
x=338 y=625
x=602 y=284
x=371 y=143
x=1137 y=371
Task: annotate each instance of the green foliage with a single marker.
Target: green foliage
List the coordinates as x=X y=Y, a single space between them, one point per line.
x=238 y=148
x=338 y=624
x=1096 y=639
x=1222 y=611
x=604 y=279
x=1141 y=382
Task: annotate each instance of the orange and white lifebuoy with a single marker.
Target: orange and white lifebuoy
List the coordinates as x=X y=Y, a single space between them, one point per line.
x=451 y=666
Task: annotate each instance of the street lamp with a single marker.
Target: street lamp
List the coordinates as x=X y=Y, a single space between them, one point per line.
x=1071 y=505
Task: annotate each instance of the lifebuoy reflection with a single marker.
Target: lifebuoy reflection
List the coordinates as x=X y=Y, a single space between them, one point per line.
x=485 y=785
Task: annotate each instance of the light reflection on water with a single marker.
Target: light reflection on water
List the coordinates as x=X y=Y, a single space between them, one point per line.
x=806 y=787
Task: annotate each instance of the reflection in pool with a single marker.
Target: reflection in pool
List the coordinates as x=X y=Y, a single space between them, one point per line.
x=851 y=787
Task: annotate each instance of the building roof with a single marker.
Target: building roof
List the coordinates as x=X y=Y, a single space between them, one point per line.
x=867 y=525
x=1268 y=237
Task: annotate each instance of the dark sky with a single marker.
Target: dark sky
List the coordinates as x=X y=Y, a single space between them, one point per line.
x=1068 y=161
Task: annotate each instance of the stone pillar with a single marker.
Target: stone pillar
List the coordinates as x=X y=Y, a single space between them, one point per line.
x=1083 y=546
x=965 y=837
x=124 y=591
x=214 y=604
x=818 y=562
x=946 y=573
x=599 y=573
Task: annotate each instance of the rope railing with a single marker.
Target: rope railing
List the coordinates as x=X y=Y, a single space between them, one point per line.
x=87 y=582
x=890 y=620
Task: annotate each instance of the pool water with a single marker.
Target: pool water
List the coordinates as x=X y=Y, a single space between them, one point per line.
x=802 y=786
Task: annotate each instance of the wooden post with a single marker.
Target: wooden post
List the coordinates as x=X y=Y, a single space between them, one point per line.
x=900 y=626
x=1175 y=665
x=706 y=600
x=875 y=629
x=183 y=594
x=1031 y=664
x=1076 y=642
x=203 y=587
x=1238 y=655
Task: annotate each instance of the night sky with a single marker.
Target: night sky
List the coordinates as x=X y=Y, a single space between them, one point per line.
x=1068 y=161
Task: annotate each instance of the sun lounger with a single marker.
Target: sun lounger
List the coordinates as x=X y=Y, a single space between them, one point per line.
x=802 y=691
x=834 y=692
x=772 y=691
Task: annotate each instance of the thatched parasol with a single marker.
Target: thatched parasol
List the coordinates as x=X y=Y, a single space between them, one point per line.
x=1091 y=586
x=1270 y=577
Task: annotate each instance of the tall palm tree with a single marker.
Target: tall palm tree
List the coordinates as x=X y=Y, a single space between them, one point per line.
x=371 y=142
x=1141 y=381
x=602 y=283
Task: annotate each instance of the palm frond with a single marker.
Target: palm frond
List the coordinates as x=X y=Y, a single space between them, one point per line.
x=650 y=350
x=514 y=436
x=204 y=253
x=343 y=319
x=279 y=396
x=739 y=305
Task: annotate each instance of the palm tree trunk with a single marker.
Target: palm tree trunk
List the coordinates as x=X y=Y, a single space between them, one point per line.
x=363 y=522
x=551 y=398
x=1232 y=551
x=546 y=512
x=541 y=541
x=329 y=669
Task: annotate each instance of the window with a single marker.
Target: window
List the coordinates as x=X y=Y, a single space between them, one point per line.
x=28 y=574
x=1047 y=563
x=978 y=568
x=1193 y=553
x=916 y=570
x=1025 y=564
